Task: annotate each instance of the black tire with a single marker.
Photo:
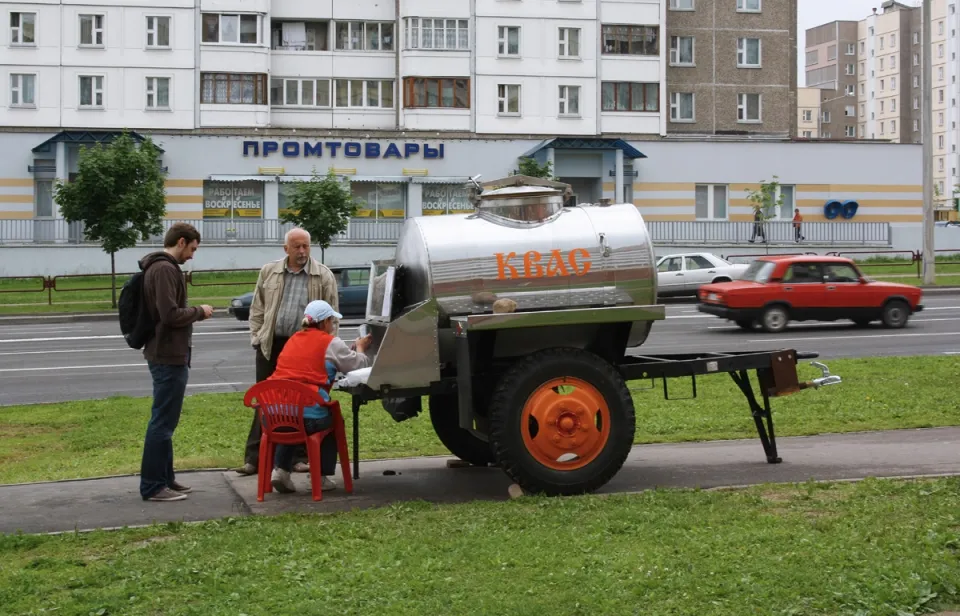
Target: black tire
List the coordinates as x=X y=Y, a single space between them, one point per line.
x=775 y=319
x=445 y=418
x=861 y=322
x=745 y=324
x=720 y=279
x=896 y=312
x=507 y=431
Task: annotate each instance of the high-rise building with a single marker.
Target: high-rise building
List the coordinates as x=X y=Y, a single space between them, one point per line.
x=732 y=66
x=831 y=67
x=945 y=47
x=808 y=113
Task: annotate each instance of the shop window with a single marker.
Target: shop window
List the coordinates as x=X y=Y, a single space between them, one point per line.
x=431 y=92
x=446 y=199
x=711 y=201
x=233 y=88
x=442 y=34
x=629 y=96
x=365 y=35
x=232 y=200
x=380 y=199
x=230 y=29
x=631 y=40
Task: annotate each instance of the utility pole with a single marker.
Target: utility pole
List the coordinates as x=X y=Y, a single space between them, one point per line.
x=929 y=276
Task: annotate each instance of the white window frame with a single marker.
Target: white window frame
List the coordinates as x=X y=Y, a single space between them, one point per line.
x=743 y=107
x=850 y=131
x=808 y=115
x=413 y=33
x=316 y=91
x=503 y=98
x=682 y=5
x=563 y=43
x=849 y=111
x=16 y=85
x=850 y=69
x=742 y=52
x=711 y=202
x=94 y=90
x=807 y=134
x=675 y=59
x=675 y=107
x=364 y=27
x=383 y=83
x=94 y=30
x=744 y=6
x=239 y=17
x=851 y=49
x=503 y=42
x=153 y=89
x=16 y=32
x=564 y=98
x=155 y=31
x=851 y=89
x=786 y=210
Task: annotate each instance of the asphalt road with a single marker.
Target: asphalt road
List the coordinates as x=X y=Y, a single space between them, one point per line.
x=74 y=361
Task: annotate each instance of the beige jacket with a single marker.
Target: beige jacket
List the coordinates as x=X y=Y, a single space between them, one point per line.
x=269 y=292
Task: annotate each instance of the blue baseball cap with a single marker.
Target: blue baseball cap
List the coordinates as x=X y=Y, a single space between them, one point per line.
x=319 y=310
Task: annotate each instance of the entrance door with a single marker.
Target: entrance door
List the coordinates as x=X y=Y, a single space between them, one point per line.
x=44 y=226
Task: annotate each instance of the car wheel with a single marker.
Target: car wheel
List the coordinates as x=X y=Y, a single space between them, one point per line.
x=895 y=314
x=746 y=324
x=774 y=319
x=721 y=279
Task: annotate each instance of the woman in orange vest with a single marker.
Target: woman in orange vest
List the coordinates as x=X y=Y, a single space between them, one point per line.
x=313 y=356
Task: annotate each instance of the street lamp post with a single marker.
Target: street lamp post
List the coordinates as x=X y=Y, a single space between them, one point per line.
x=929 y=276
x=820 y=122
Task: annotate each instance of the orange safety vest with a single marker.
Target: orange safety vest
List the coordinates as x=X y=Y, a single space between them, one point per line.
x=303 y=358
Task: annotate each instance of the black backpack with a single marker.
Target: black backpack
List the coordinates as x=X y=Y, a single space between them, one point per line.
x=136 y=324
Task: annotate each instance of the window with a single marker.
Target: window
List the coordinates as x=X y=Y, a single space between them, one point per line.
x=508 y=99
x=840 y=272
x=569 y=100
x=681 y=50
x=233 y=88
x=850 y=131
x=851 y=49
x=881 y=65
x=893 y=126
x=916 y=102
x=631 y=40
x=23 y=28
x=824 y=116
x=711 y=201
x=682 y=107
x=863 y=110
x=365 y=35
x=748 y=5
x=748 y=108
x=893 y=83
x=863 y=48
x=445 y=34
x=629 y=96
x=849 y=69
x=940 y=142
x=940 y=166
x=940 y=50
x=43 y=200
x=939 y=73
x=804 y=273
x=158 y=32
x=940 y=96
x=881 y=42
x=158 y=93
x=748 y=52
x=300 y=35
x=940 y=119
x=893 y=41
x=916 y=59
x=22 y=90
x=916 y=38
x=299 y=92
x=893 y=104
x=916 y=81
x=808 y=115
x=508 y=40
x=381 y=200
x=916 y=125
x=883 y=85
x=569 y=42
x=812 y=57
x=681 y=5
x=91 y=91
x=807 y=134
x=420 y=92
x=851 y=89
x=231 y=29
x=91 y=30
x=940 y=27
x=849 y=111
x=370 y=93
x=832 y=52
x=893 y=62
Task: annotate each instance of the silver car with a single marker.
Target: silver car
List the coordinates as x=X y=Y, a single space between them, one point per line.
x=683 y=274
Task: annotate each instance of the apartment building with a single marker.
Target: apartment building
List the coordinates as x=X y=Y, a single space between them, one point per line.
x=831 y=67
x=945 y=47
x=808 y=113
x=732 y=66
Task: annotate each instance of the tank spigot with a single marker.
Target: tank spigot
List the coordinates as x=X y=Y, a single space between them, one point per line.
x=826 y=379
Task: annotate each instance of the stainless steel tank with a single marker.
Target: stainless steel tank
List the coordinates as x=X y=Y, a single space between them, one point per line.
x=523 y=244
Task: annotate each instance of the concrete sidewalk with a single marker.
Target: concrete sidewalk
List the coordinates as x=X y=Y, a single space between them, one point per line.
x=114 y=502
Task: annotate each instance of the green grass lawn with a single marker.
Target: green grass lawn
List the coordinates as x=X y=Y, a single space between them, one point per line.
x=102 y=437
x=877 y=547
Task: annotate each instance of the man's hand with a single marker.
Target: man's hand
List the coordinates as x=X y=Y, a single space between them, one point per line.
x=363 y=344
x=207 y=311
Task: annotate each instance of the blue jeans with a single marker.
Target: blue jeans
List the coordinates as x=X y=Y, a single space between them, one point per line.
x=156 y=467
x=283 y=458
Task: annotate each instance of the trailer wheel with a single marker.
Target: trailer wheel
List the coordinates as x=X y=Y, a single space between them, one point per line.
x=561 y=422
x=461 y=443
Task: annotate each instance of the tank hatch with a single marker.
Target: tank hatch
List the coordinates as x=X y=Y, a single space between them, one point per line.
x=521 y=199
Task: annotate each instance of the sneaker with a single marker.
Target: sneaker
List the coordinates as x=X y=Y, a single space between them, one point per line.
x=166 y=494
x=301 y=467
x=179 y=487
x=327 y=484
x=246 y=469
x=281 y=482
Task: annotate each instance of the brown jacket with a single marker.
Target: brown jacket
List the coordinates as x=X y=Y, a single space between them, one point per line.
x=165 y=295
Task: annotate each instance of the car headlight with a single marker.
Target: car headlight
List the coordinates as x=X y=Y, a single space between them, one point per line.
x=236 y=303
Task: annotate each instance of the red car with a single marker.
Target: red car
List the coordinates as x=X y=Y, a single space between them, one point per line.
x=776 y=290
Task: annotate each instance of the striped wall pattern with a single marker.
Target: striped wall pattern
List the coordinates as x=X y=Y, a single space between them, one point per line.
x=878 y=202
x=184 y=199
x=16 y=198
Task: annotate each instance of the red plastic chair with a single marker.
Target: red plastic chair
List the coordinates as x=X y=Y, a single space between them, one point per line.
x=280 y=404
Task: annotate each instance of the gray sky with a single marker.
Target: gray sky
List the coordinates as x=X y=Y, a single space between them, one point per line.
x=812 y=13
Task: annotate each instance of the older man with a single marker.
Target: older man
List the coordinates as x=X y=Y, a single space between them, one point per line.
x=284 y=288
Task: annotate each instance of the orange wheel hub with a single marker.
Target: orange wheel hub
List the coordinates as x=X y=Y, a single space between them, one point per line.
x=565 y=423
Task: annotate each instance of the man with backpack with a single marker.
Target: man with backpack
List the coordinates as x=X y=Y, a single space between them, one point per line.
x=167 y=351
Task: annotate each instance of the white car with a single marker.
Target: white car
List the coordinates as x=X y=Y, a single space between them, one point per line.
x=684 y=273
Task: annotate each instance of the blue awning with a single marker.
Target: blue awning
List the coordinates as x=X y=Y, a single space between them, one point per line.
x=86 y=137
x=586 y=143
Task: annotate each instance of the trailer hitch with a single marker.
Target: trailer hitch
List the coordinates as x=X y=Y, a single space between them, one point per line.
x=825 y=379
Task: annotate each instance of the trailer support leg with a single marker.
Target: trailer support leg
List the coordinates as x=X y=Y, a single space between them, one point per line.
x=767 y=436
x=356 y=436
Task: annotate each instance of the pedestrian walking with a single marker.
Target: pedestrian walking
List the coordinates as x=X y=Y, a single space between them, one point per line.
x=758 y=226
x=797 y=222
x=284 y=288
x=168 y=354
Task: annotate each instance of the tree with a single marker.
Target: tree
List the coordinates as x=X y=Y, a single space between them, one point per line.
x=531 y=168
x=768 y=200
x=118 y=195
x=322 y=206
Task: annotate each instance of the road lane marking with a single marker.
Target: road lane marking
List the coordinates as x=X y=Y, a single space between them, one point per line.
x=68 y=351
x=72 y=367
x=118 y=336
x=778 y=340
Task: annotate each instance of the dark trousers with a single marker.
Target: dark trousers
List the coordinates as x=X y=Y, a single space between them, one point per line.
x=796 y=233
x=758 y=230
x=328 y=447
x=156 y=467
x=266 y=367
